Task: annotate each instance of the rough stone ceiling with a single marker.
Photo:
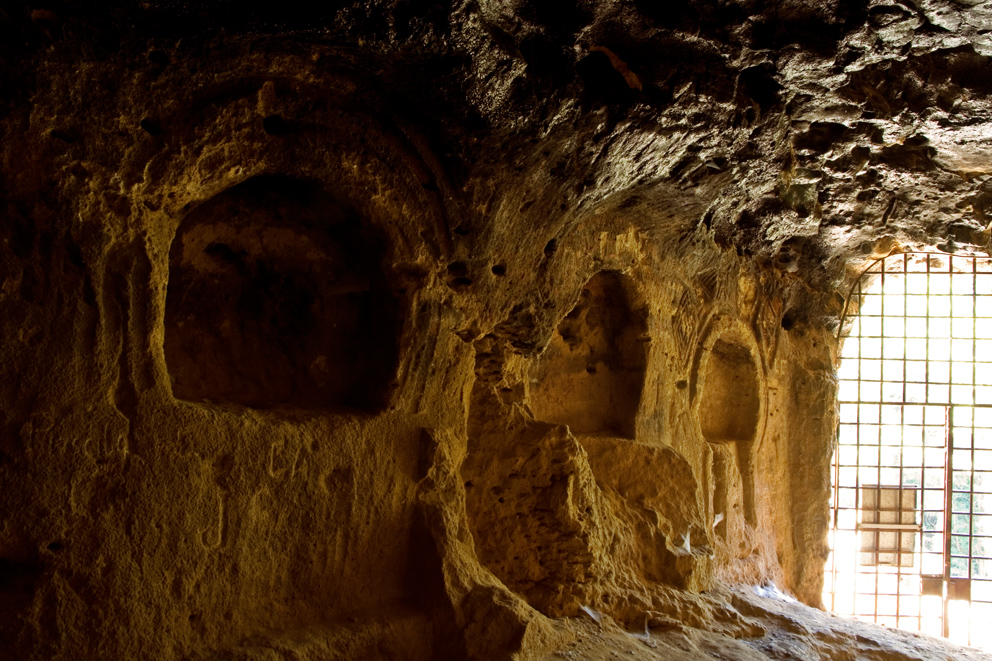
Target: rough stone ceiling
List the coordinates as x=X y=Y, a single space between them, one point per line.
x=803 y=133
x=679 y=190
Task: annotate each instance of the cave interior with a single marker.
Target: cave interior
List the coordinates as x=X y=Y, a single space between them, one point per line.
x=480 y=329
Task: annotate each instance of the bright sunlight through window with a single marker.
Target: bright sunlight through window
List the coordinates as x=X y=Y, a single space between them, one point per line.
x=911 y=534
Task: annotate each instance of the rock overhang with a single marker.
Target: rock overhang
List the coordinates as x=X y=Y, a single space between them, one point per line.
x=734 y=160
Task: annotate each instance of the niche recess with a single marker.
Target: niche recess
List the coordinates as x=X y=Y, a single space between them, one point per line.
x=277 y=298
x=729 y=413
x=729 y=402
x=591 y=375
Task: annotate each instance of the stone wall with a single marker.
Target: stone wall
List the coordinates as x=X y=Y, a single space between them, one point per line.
x=379 y=334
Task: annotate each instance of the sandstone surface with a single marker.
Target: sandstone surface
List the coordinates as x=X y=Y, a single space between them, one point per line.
x=487 y=329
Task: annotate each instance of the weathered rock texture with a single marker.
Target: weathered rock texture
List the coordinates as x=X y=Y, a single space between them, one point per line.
x=388 y=331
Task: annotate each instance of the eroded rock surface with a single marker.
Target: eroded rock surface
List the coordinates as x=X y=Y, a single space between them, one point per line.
x=379 y=330
x=744 y=626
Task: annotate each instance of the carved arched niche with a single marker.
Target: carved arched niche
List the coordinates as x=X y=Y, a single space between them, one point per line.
x=728 y=405
x=591 y=375
x=729 y=402
x=277 y=297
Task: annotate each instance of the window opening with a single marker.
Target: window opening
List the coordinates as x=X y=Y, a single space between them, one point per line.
x=888 y=525
x=911 y=504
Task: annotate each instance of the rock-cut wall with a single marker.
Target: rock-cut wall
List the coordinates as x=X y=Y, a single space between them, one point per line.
x=238 y=384
x=378 y=333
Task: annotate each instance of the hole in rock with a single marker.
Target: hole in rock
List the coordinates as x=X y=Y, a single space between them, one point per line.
x=457 y=277
x=602 y=82
x=729 y=404
x=275 y=125
x=67 y=137
x=759 y=83
x=159 y=57
x=150 y=126
x=591 y=375
x=821 y=136
x=276 y=297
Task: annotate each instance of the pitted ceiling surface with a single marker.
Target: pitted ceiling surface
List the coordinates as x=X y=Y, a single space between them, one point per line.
x=301 y=317
x=803 y=133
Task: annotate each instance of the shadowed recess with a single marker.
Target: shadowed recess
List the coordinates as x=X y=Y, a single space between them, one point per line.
x=276 y=298
x=592 y=373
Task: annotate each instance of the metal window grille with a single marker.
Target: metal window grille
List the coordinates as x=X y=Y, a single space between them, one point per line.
x=911 y=534
x=888 y=525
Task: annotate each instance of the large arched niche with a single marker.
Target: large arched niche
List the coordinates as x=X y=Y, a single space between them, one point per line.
x=727 y=391
x=277 y=298
x=591 y=375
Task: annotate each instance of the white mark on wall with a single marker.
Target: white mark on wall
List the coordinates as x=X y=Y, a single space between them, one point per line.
x=215 y=535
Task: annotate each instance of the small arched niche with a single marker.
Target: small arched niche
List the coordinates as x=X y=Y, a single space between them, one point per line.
x=729 y=403
x=277 y=297
x=591 y=375
x=726 y=389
